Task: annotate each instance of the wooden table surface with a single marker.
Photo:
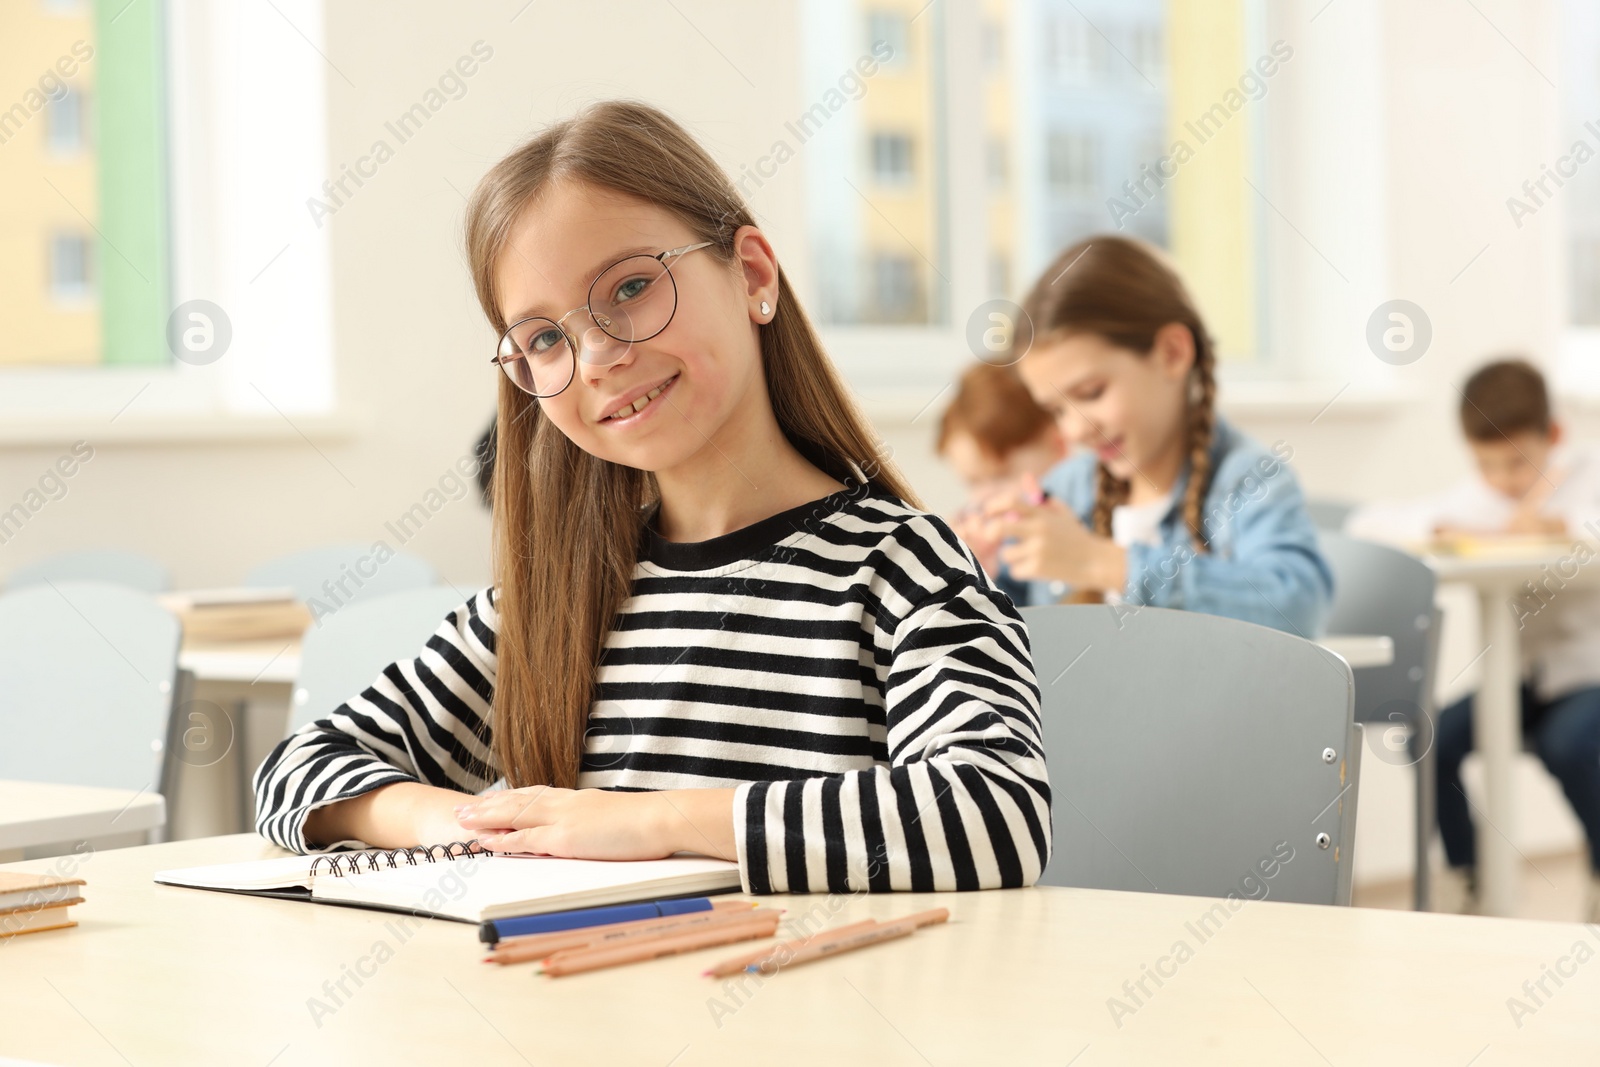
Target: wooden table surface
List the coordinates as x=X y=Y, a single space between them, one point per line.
x=165 y=975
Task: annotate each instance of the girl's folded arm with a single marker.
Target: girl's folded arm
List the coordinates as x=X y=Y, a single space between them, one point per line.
x=424 y=719
x=964 y=802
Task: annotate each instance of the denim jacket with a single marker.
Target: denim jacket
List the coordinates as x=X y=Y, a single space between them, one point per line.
x=1264 y=565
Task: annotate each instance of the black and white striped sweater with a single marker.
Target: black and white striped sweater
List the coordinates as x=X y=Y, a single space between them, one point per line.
x=845 y=664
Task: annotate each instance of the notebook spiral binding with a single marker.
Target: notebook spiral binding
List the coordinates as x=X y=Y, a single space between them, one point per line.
x=343 y=863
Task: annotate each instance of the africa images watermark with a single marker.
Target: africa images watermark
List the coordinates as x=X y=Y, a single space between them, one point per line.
x=1141 y=190
x=1137 y=993
x=1535 y=596
x=1537 y=992
x=336 y=992
x=454 y=484
x=51 y=486
x=49 y=88
x=452 y=85
x=1163 y=572
x=851 y=85
x=1537 y=188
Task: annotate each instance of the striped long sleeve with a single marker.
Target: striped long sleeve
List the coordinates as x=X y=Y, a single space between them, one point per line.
x=844 y=665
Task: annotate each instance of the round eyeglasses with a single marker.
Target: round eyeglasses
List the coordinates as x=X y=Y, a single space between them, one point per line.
x=632 y=300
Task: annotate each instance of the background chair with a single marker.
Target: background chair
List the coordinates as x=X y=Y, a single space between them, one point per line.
x=1329 y=514
x=87 y=683
x=1382 y=590
x=1187 y=750
x=95 y=565
x=341 y=574
x=341 y=657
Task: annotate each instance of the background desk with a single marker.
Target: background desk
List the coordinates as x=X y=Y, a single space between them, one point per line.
x=158 y=974
x=1496 y=718
x=41 y=813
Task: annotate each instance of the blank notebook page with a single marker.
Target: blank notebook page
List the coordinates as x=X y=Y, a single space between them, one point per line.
x=480 y=888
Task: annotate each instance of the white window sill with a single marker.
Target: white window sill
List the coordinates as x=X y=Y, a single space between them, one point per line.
x=25 y=432
x=1320 y=402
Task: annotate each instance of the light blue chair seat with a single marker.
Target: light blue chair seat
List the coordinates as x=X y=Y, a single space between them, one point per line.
x=335 y=575
x=349 y=649
x=87 y=676
x=111 y=565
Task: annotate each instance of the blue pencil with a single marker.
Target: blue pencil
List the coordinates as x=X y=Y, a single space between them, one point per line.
x=496 y=929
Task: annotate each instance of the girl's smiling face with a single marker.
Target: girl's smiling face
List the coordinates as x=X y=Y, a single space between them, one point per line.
x=1126 y=406
x=706 y=364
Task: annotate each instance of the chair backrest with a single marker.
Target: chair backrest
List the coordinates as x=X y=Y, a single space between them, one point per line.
x=1329 y=514
x=1382 y=590
x=336 y=575
x=95 y=565
x=1195 y=754
x=341 y=656
x=87 y=678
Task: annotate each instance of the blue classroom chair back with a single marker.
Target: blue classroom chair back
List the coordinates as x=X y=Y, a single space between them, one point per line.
x=87 y=676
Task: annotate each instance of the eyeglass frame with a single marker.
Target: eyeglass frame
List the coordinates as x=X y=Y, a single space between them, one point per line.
x=661 y=257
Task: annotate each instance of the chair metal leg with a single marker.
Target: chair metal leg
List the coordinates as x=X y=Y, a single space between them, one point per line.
x=1425 y=825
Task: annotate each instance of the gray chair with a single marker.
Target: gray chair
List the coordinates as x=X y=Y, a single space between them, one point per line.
x=88 y=675
x=336 y=575
x=111 y=565
x=1329 y=514
x=342 y=656
x=1382 y=590
x=1192 y=754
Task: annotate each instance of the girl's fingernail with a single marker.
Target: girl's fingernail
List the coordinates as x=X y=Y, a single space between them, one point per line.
x=463 y=809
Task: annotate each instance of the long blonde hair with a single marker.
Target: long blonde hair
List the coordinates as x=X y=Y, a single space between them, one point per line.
x=1124 y=291
x=568 y=525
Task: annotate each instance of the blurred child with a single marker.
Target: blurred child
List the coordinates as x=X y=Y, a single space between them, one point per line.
x=993 y=435
x=1163 y=502
x=1528 y=483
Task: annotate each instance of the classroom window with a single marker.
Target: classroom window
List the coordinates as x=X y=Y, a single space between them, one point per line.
x=1011 y=131
x=70 y=268
x=891 y=159
x=64 y=124
x=1580 y=104
x=896 y=288
x=996 y=162
x=888 y=27
x=1071 y=163
x=98 y=206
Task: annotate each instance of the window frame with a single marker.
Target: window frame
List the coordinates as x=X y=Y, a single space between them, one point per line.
x=238 y=397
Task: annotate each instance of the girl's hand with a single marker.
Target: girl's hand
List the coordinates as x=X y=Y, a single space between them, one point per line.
x=1050 y=543
x=599 y=824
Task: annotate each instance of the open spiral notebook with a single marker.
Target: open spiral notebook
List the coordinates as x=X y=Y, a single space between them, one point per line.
x=460 y=881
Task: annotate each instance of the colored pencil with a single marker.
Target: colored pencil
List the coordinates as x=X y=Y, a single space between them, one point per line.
x=824 y=945
x=539 y=946
x=576 y=961
x=737 y=964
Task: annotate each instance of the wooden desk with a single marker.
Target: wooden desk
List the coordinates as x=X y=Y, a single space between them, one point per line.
x=158 y=974
x=1360 y=650
x=43 y=813
x=1496 y=712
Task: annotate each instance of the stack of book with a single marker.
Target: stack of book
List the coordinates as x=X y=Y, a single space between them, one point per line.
x=30 y=903
x=229 y=615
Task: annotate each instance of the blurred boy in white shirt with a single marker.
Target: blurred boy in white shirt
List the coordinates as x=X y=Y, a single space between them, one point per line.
x=1529 y=482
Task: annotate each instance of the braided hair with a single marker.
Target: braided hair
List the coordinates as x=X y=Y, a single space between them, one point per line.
x=1125 y=291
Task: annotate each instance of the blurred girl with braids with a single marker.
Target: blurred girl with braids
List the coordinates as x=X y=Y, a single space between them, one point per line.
x=1163 y=503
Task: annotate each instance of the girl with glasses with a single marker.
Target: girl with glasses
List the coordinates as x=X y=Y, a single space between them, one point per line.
x=720 y=622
